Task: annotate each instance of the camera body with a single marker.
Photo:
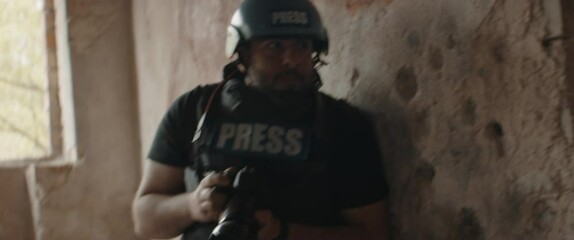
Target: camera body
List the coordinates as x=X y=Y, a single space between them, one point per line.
x=237 y=221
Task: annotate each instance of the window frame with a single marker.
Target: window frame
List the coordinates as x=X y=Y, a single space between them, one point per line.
x=62 y=127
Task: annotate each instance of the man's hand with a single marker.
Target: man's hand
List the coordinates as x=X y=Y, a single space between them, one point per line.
x=270 y=226
x=205 y=202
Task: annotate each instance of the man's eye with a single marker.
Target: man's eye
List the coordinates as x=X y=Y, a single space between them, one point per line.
x=274 y=45
x=305 y=45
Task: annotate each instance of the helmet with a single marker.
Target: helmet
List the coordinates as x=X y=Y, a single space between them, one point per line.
x=276 y=18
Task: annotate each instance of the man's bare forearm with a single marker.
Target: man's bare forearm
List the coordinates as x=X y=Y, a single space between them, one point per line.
x=161 y=216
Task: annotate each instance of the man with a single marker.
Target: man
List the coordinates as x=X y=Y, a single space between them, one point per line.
x=318 y=165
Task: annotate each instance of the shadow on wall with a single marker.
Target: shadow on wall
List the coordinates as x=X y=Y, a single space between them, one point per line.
x=402 y=166
x=412 y=176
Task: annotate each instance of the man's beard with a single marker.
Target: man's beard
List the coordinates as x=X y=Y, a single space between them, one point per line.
x=299 y=82
x=250 y=102
x=280 y=82
x=301 y=92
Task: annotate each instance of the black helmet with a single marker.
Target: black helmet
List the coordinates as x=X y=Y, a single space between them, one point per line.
x=276 y=18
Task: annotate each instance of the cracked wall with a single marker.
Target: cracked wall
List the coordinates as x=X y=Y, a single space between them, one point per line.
x=470 y=96
x=479 y=93
x=471 y=99
x=15 y=214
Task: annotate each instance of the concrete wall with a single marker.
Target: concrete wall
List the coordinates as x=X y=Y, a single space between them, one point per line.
x=90 y=199
x=473 y=99
x=15 y=213
x=470 y=98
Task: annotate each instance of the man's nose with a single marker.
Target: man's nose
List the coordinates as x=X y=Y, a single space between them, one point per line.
x=291 y=58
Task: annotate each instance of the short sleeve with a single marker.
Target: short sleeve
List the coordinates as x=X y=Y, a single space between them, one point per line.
x=172 y=142
x=358 y=163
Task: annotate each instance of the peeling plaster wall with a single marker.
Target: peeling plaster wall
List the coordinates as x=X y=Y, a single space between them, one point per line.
x=470 y=98
x=568 y=109
x=15 y=214
x=90 y=199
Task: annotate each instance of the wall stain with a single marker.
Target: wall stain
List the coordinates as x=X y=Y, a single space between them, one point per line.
x=469 y=227
x=419 y=125
x=543 y=215
x=100 y=16
x=495 y=133
x=435 y=58
x=60 y=177
x=354 y=77
x=406 y=83
x=353 y=6
x=413 y=40
x=450 y=42
x=498 y=51
x=469 y=112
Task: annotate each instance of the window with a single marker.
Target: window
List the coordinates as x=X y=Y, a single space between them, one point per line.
x=30 y=110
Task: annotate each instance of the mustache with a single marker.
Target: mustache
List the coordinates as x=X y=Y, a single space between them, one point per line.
x=290 y=73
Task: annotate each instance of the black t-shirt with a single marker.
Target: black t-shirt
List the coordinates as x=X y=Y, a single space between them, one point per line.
x=345 y=170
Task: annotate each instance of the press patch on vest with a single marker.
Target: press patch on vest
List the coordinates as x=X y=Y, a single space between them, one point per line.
x=289 y=18
x=262 y=140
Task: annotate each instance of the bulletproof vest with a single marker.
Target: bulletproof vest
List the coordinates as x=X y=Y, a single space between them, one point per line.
x=245 y=127
x=287 y=141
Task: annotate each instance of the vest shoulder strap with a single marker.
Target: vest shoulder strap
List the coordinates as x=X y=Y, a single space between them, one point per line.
x=205 y=93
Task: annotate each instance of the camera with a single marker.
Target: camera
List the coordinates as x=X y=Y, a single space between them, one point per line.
x=238 y=221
